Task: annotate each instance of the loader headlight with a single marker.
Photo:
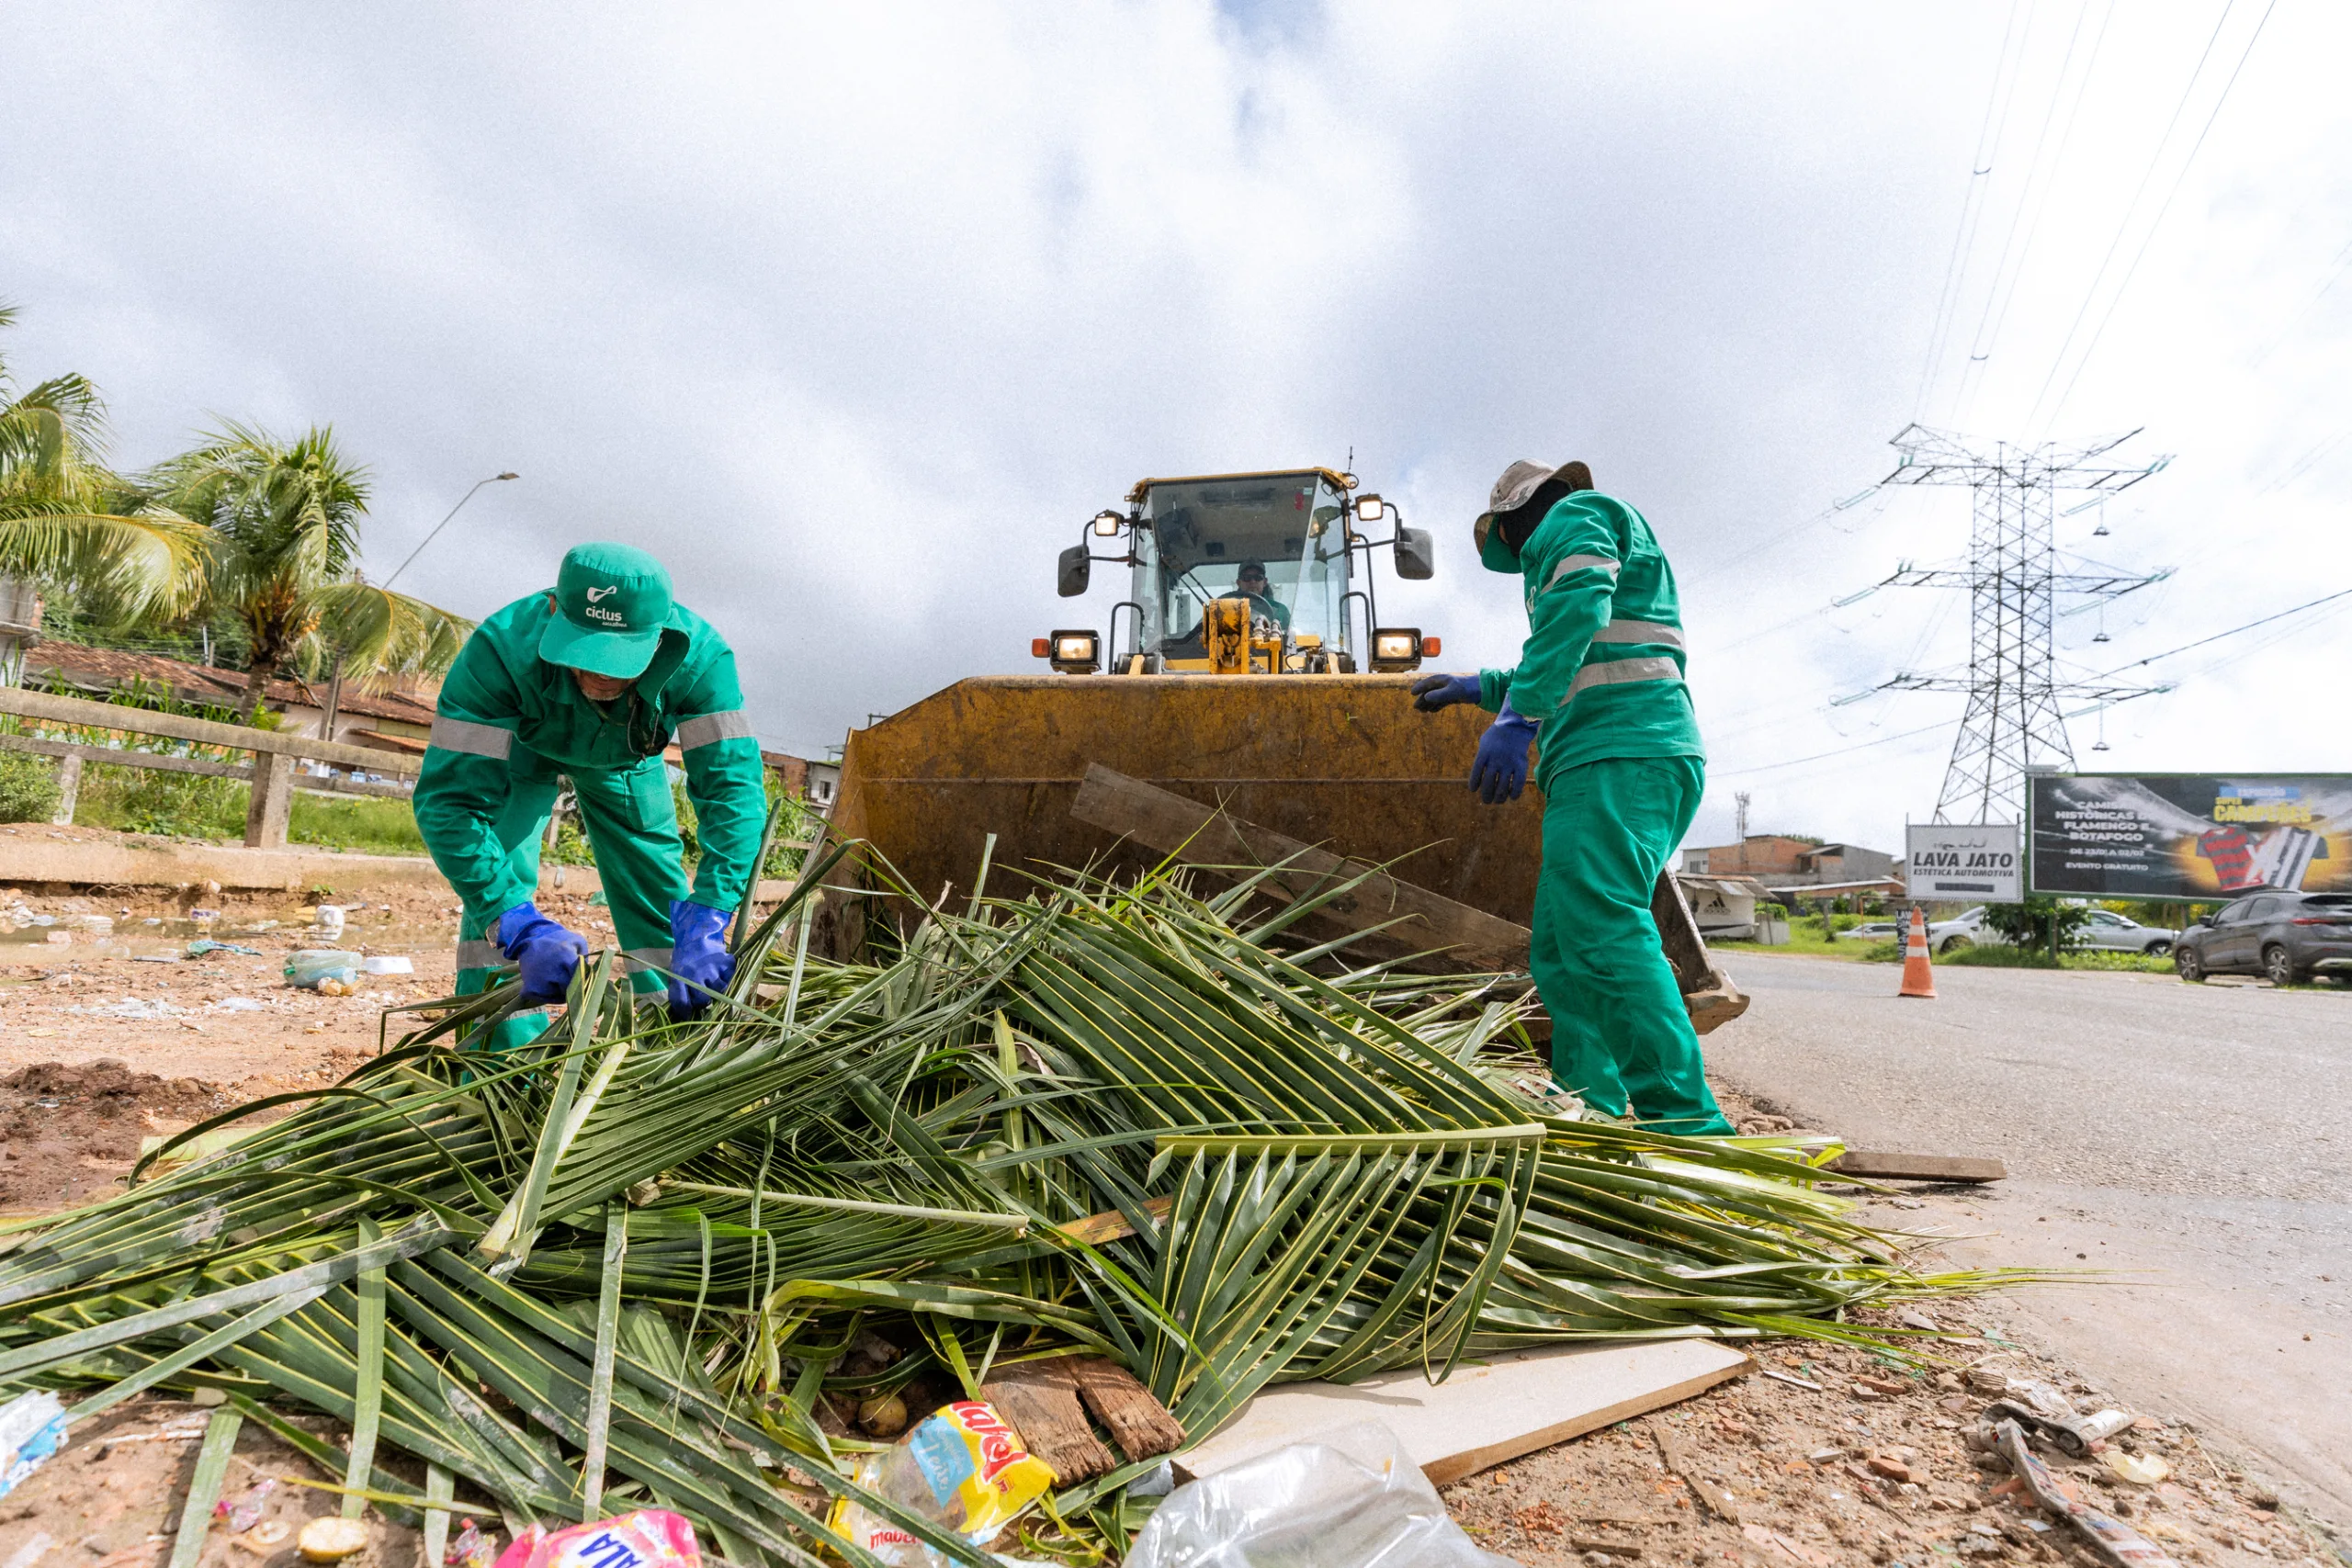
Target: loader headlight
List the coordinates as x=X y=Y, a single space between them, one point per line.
x=1077 y=653
x=1107 y=523
x=1397 y=648
x=1370 y=509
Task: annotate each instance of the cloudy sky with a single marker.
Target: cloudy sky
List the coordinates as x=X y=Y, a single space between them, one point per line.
x=855 y=313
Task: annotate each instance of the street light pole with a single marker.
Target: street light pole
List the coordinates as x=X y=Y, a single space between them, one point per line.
x=443 y=524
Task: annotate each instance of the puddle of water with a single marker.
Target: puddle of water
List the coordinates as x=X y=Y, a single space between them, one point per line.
x=133 y=936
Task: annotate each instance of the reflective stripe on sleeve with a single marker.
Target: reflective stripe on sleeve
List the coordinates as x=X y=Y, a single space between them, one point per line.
x=1657 y=632
x=1578 y=563
x=734 y=724
x=1621 y=671
x=478 y=954
x=475 y=740
x=636 y=960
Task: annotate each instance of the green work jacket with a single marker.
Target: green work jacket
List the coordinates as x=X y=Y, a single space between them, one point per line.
x=505 y=713
x=1603 y=667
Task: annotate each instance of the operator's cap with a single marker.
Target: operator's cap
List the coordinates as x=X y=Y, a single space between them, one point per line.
x=612 y=601
x=1514 y=489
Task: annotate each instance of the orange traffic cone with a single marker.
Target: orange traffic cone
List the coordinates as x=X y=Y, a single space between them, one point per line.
x=1918 y=971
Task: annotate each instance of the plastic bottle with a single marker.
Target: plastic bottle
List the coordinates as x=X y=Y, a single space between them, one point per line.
x=308 y=966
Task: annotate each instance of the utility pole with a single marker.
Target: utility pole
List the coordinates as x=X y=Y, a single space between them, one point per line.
x=1739 y=816
x=2014 y=689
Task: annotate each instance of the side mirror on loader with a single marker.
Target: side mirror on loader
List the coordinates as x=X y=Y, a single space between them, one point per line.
x=1416 y=556
x=1074 y=571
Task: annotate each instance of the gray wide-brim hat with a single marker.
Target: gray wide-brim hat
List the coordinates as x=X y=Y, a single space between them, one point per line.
x=1514 y=489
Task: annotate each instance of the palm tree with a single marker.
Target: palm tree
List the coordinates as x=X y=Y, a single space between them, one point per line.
x=282 y=522
x=67 y=521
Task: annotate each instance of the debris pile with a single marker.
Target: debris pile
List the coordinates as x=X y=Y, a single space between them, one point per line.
x=1100 y=1144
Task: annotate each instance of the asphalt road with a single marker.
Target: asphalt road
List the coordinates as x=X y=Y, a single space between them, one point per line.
x=2195 y=1134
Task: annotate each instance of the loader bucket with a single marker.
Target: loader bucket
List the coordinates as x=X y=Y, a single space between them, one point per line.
x=1338 y=760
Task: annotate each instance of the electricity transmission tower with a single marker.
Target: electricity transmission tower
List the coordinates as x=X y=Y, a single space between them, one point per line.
x=2013 y=721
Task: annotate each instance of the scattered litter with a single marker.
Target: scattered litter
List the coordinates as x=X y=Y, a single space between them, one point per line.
x=1792 y=1378
x=268 y=1533
x=246 y=1511
x=2140 y=1470
x=129 y=1006
x=1351 y=1497
x=962 y=1468
x=35 y=1548
x=389 y=963
x=471 y=1549
x=2110 y=1537
x=310 y=968
x=201 y=915
x=653 y=1538
x=205 y=945
x=236 y=1004
x=329 y=919
x=32 y=1428
x=155 y=958
x=330 y=1539
x=2077 y=1435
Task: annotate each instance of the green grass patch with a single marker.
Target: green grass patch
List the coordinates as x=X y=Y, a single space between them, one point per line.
x=196 y=805
x=1982 y=956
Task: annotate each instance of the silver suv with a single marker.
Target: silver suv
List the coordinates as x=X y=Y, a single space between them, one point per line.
x=2289 y=937
x=2120 y=933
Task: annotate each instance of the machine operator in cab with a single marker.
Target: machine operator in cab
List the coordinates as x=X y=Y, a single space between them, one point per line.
x=1250 y=584
x=1599 y=681
x=591 y=681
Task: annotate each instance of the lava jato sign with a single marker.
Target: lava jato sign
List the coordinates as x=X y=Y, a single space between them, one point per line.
x=1976 y=860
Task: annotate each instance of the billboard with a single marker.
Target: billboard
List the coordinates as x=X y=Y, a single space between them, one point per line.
x=1977 y=861
x=2190 y=836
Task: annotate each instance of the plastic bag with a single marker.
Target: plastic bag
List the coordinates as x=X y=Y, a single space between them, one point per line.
x=962 y=1468
x=1347 y=1498
x=32 y=1428
x=647 y=1538
x=311 y=966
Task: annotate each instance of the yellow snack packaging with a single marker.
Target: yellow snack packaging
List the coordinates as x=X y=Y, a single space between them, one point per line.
x=962 y=1468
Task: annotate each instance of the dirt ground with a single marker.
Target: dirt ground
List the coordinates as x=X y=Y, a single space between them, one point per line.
x=1829 y=1457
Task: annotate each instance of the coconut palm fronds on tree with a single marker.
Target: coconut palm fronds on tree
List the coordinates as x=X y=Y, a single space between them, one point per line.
x=283 y=522
x=67 y=520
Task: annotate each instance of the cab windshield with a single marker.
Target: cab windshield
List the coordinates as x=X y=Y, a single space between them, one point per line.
x=1199 y=538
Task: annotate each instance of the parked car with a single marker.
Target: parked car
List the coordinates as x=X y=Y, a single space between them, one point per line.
x=1966 y=929
x=2112 y=932
x=2289 y=937
x=1873 y=930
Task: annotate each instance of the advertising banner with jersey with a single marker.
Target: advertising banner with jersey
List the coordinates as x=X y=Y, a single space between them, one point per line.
x=2190 y=836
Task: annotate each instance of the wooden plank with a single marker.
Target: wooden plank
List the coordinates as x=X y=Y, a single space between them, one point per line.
x=123 y=757
x=1111 y=1224
x=1483 y=1415
x=1204 y=836
x=178 y=727
x=1138 y=1423
x=1040 y=1398
x=271 y=801
x=1891 y=1165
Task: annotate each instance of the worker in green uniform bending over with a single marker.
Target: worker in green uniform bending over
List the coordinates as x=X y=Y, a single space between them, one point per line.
x=591 y=681
x=1599 y=678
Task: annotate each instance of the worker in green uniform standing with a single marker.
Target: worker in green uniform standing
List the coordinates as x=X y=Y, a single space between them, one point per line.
x=591 y=681
x=1622 y=769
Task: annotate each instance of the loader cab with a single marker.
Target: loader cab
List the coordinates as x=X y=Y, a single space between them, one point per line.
x=1195 y=548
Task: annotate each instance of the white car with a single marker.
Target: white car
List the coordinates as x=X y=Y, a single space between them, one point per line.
x=1966 y=929
x=2112 y=932
x=1873 y=930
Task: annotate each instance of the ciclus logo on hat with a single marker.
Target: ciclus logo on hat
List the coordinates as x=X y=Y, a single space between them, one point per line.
x=612 y=601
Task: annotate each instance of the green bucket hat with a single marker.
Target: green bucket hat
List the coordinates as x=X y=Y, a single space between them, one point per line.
x=1514 y=489
x=612 y=601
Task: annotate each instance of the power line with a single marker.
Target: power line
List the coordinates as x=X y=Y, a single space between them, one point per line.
x=2155 y=160
x=2147 y=239
x=1947 y=295
x=2200 y=642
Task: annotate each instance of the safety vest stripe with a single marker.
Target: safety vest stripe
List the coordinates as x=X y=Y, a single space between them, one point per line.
x=1657 y=632
x=636 y=960
x=475 y=740
x=478 y=954
x=1618 y=672
x=734 y=724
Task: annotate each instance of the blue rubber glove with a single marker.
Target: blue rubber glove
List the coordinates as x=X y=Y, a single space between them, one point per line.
x=1499 y=773
x=1432 y=693
x=699 y=958
x=549 y=955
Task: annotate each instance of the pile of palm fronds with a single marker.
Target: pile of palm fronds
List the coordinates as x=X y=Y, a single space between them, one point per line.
x=627 y=1263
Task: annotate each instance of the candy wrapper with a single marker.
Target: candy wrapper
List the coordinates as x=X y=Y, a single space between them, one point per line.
x=649 y=1538
x=962 y=1468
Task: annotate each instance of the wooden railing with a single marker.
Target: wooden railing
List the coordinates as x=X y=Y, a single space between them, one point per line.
x=271 y=772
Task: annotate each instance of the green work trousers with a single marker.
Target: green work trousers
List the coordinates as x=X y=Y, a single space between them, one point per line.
x=1621 y=1036
x=632 y=827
